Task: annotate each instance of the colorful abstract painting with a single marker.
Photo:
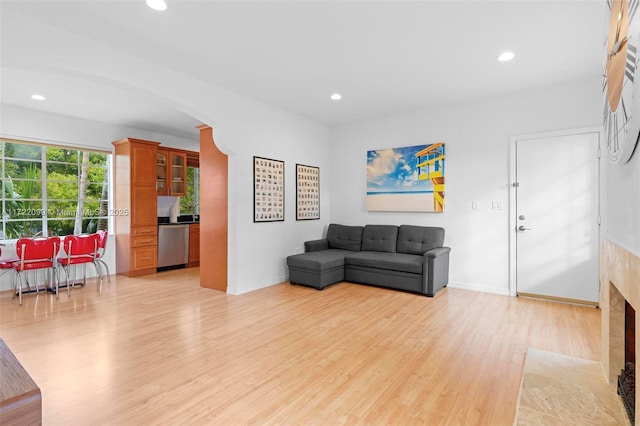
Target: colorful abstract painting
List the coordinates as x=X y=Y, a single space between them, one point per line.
x=407 y=179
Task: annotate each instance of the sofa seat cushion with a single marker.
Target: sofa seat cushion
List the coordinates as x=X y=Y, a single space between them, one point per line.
x=382 y=260
x=318 y=260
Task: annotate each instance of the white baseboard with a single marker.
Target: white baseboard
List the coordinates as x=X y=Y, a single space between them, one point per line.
x=478 y=288
x=452 y=284
x=263 y=284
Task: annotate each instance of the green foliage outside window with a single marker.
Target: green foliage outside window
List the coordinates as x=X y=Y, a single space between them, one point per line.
x=52 y=190
x=189 y=202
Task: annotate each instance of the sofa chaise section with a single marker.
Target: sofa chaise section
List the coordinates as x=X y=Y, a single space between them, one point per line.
x=322 y=264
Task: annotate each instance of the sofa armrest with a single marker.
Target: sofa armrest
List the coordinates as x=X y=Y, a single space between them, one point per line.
x=436 y=275
x=436 y=252
x=316 y=245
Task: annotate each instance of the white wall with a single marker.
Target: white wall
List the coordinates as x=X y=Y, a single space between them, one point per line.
x=622 y=208
x=477 y=137
x=257 y=251
x=38 y=126
x=242 y=128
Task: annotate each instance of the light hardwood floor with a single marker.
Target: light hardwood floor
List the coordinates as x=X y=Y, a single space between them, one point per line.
x=162 y=350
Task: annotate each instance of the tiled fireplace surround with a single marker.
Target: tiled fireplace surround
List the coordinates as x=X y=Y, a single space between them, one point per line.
x=619 y=281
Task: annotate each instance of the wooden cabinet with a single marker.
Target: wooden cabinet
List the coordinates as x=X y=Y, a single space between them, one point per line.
x=144 y=211
x=136 y=205
x=194 y=244
x=142 y=166
x=145 y=231
x=162 y=159
x=144 y=260
x=178 y=173
x=143 y=171
x=171 y=172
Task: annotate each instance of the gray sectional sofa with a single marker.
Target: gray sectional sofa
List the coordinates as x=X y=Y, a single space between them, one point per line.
x=405 y=257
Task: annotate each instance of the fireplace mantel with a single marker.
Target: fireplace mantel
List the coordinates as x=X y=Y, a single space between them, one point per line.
x=619 y=281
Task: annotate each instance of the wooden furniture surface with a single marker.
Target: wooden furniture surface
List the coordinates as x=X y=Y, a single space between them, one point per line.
x=163 y=350
x=135 y=205
x=177 y=173
x=214 y=187
x=171 y=172
x=20 y=397
x=142 y=165
x=194 y=245
x=162 y=158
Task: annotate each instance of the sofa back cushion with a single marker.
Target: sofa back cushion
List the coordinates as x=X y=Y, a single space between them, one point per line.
x=344 y=237
x=380 y=238
x=418 y=239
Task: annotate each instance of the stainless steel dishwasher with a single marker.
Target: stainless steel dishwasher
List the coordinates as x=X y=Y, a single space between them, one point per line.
x=173 y=245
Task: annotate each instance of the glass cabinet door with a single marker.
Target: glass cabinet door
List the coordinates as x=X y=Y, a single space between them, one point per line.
x=161 y=166
x=178 y=163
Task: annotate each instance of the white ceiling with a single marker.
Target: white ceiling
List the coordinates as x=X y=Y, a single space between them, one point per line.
x=384 y=57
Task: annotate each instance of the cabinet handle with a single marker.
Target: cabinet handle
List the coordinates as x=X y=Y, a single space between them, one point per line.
x=145 y=258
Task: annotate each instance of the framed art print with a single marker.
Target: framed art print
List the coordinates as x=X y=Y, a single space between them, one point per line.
x=307 y=192
x=406 y=179
x=268 y=190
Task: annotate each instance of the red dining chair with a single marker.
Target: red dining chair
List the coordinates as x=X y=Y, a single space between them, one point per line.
x=80 y=250
x=102 y=248
x=34 y=254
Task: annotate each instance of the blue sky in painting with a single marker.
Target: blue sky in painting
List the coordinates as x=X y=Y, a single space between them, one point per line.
x=394 y=170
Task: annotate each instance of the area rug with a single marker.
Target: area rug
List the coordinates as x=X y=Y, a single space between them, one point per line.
x=562 y=390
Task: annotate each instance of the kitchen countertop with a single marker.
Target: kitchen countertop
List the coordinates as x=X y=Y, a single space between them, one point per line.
x=182 y=220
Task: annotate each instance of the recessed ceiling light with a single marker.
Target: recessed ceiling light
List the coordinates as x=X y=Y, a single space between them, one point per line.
x=336 y=97
x=157 y=4
x=38 y=97
x=506 y=56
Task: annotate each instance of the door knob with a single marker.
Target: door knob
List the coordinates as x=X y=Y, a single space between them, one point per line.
x=522 y=228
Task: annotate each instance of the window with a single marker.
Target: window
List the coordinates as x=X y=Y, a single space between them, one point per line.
x=49 y=190
x=190 y=203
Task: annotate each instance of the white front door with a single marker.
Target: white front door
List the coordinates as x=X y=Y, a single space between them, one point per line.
x=556 y=223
